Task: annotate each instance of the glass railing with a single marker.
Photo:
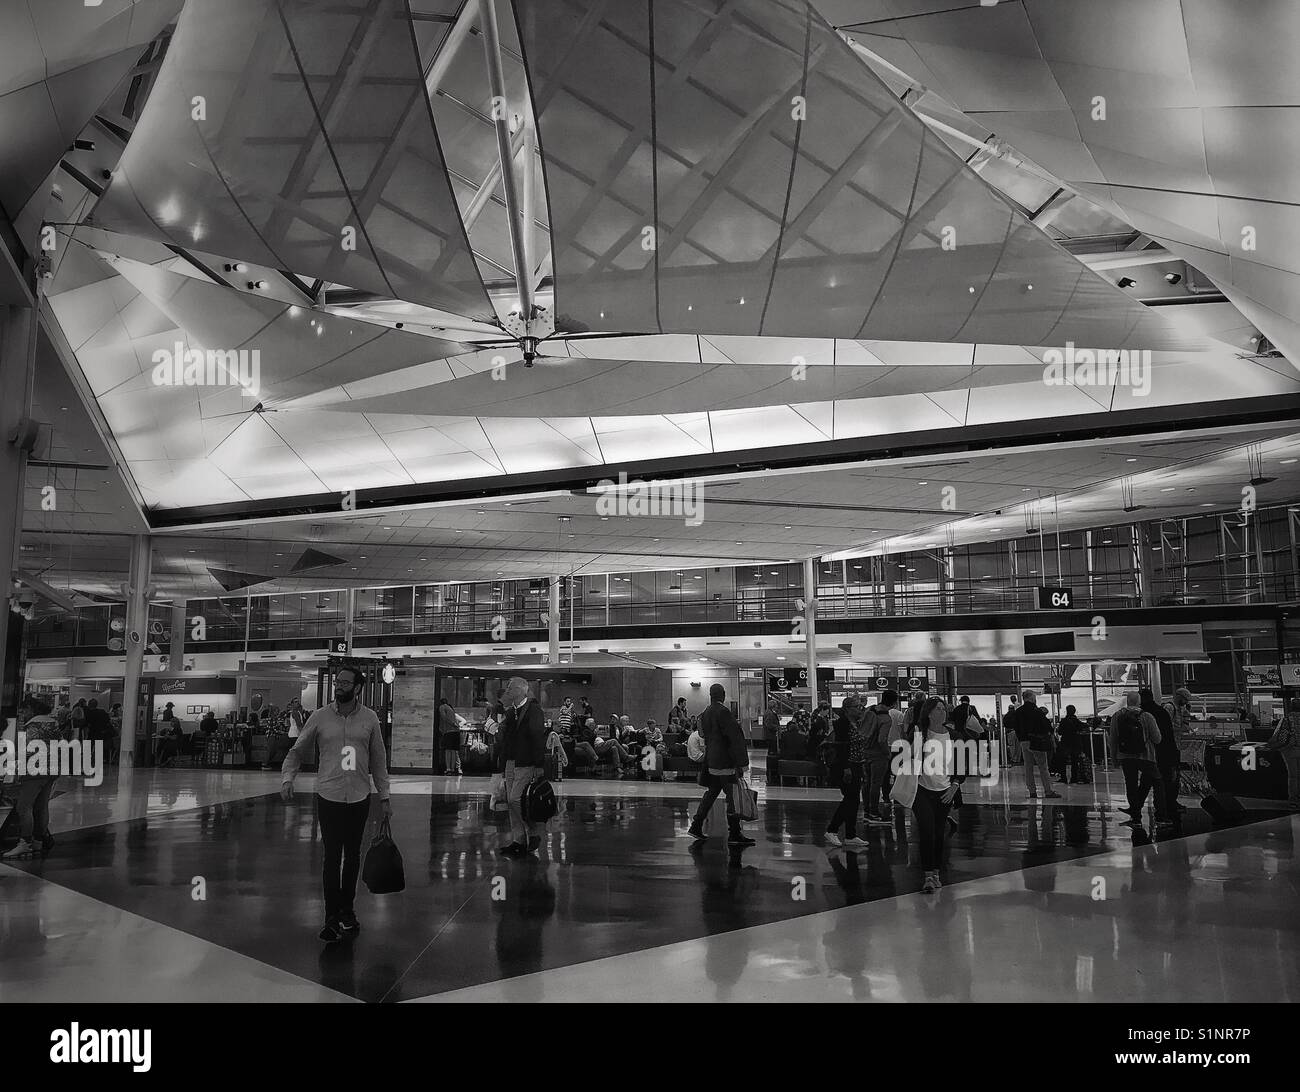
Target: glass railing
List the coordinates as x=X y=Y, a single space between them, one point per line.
x=91 y=628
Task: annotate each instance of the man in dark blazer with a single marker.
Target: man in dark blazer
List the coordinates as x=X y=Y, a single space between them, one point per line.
x=726 y=756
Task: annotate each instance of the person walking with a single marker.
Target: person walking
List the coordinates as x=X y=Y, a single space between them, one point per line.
x=1285 y=740
x=1073 y=733
x=878 y=724
x=1164 y=792
x=1034 y=731
x=1180 y=716
x=32 y=803
x=351 y=747
x=448 y=731
x=1133 y=736
x=928 y=795
x=526 y=740
x=847 y=769
x=726 y=756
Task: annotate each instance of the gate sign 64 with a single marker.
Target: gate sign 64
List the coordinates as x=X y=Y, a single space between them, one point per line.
x=1055 y=599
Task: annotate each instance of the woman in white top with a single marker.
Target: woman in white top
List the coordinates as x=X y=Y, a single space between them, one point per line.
x=928 y=794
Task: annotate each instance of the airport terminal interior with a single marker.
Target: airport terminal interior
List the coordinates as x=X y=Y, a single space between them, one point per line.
x=753 y=500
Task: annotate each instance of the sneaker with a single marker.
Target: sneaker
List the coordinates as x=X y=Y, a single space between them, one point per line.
x=20 y=852
x=694 y=832
x=833 y=839
x=931 y=883
x=855 y=843
x=738 y=839
x=952 y=822
x=330 y=932
x=348 y=923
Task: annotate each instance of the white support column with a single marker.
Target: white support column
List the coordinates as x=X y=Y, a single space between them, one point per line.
x=137 y=626
x=810 y=624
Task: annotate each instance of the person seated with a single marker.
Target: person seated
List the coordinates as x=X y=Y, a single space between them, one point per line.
x=793 y=743
x=169 y=741
x=653 y=736
x=584 y=743
x=627 y=733
x=607 y=745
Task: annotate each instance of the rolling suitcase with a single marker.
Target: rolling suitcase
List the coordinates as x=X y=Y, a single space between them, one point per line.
x=1224 y=808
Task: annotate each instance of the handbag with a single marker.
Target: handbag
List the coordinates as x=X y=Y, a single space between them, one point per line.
x=382 y=871
x=743 y=800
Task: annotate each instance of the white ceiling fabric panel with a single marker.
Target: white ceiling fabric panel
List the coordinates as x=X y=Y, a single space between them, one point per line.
x=1193 y=116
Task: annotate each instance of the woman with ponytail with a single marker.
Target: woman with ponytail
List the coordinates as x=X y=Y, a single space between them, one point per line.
x=928 y=794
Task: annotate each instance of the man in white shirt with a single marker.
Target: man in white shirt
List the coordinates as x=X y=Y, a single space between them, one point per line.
x=351 y=752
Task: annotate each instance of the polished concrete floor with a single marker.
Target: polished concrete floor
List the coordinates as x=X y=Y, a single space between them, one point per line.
x=1042 y=901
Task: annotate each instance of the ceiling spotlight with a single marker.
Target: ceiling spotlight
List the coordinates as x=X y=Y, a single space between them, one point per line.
x=1126 y=282
x=1174 y=278
x=1029 y=288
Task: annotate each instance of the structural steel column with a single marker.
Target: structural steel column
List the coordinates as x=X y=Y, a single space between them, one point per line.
x=553 y=622
x=137 y=632
x=810 y=624
x=17 y=373
x=176 y=651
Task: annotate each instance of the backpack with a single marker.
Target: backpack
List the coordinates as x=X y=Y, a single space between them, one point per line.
x=538 y=803
x=876 y=724
x=1017 y=721
x=1131 y=737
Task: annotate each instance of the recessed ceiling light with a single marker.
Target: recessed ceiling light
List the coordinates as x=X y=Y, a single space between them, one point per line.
x=780 y=657
x=1287 y=462
x=922 y=483
x=1167 y=489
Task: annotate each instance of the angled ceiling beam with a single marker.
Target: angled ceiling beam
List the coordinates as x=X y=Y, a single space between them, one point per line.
x=497 y=80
